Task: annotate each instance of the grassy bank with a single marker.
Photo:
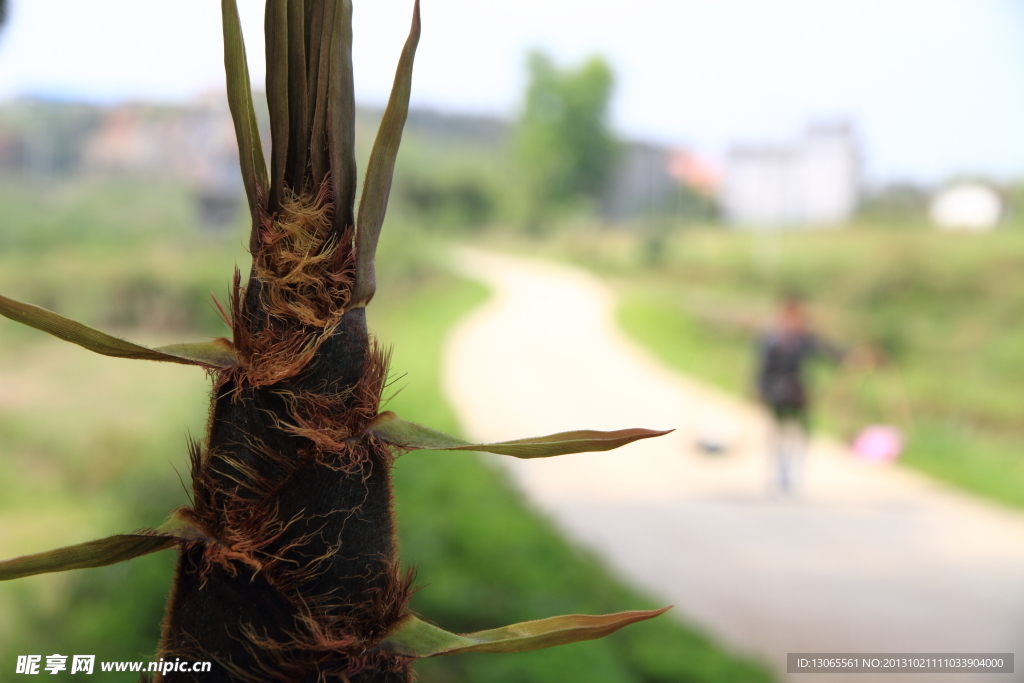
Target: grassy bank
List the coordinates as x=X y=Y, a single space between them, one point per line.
x=94 y=445
x=943 y=310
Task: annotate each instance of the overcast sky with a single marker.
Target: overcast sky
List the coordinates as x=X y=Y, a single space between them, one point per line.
x=933 y=87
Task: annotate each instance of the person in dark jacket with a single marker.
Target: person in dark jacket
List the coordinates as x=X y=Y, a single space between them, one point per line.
x=782 y=387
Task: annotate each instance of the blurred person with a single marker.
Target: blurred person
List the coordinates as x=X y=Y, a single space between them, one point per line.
x=782 y=387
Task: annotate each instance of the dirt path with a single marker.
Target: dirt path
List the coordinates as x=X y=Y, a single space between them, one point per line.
x=867 y=559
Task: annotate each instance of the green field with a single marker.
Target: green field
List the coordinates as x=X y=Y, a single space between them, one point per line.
x=92 y=446
x=943 y=310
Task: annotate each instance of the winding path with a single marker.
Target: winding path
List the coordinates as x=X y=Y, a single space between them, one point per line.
x=867 y=559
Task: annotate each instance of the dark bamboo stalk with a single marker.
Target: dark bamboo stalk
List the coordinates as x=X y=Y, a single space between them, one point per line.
x=315 y=515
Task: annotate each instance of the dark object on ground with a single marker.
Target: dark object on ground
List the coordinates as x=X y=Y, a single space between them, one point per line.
x=713 y=447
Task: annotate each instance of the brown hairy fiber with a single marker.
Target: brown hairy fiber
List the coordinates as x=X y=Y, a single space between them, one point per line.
x=297 y=258
x=303 y=274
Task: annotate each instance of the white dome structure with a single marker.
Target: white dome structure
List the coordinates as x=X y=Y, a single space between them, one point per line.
x=966 y=206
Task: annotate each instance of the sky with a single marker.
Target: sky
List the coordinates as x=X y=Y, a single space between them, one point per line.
x=933 y=88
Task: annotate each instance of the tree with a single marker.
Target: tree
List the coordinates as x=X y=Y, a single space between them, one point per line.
x=565 y=144
x=288 y=568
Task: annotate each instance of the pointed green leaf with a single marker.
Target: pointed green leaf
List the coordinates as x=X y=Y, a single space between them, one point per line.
x=390 y=428
x=218 y=353
x=276 y=31
x=341 y=118
x=99 y=553
x=250 y=150
x=373 y=203
x=415 y=638
x=106 y=551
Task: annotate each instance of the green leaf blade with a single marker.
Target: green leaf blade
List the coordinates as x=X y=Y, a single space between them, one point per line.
x=380 y=170
x=250 y=149
x=181 y=526
x=416 y=638
x=390 y=428
x=99 y=553
x=217 y=353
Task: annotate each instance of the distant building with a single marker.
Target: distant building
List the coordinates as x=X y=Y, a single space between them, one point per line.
x=695 y=172
x=966 y=206
x=651 y=180
x=41 y=140
x=813 y=182
x=640 y=184
x=195 y=144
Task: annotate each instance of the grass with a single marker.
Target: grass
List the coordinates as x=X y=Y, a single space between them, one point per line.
x=944 y=310
x=93 y=444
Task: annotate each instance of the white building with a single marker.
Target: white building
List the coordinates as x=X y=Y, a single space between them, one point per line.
x=814 y=182
x=966 y=206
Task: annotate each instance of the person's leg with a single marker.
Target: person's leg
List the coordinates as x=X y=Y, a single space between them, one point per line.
x=790 y=448
x=777 y=448
x=787 y=454
x=799 y=450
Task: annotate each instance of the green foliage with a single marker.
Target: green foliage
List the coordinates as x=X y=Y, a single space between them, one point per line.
x=900 y=205
x=564 y=142
x=455 y=175
x=99 y=213
x=683 y=340
x=460 y=202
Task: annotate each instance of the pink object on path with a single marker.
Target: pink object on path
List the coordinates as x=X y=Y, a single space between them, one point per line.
x=878 y=443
